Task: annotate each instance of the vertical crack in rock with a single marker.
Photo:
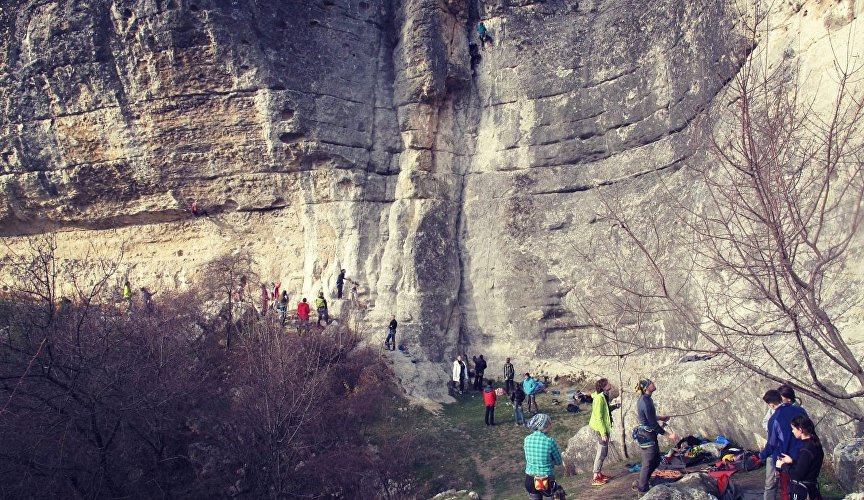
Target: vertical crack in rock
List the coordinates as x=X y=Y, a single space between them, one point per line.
x=451 y=181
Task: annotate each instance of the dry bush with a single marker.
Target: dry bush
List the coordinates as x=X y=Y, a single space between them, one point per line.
x=99 y=401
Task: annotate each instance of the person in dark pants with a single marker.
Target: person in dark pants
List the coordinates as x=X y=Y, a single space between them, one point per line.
x=781 y=440
x=283 y=307
x=460 y=372
x=489 y=400
x=509 y=373
x=649 y=425
x=321 y=307
x=804 y=471
x=529 y=385
x=479 y=369
x=303 y=316
x=391 y=335
x=482 y=34
x=541 y=457
x=517 y=398
x=340 y=282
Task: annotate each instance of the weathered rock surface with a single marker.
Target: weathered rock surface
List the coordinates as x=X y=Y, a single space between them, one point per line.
x=848 y=459
x=456 y=495
x=698 y=486
x=458 y=186
x=579 y=454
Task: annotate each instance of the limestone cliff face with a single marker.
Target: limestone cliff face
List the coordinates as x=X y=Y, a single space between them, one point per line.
x=455 y=183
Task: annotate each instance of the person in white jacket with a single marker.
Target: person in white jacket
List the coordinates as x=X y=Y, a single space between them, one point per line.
x=460 y=373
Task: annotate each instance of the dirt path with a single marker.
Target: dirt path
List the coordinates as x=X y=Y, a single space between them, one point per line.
x=484 y=471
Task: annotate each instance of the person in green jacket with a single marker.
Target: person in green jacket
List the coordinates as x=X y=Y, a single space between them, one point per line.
x=321 y=306
x=601 y=424
x=127 y=294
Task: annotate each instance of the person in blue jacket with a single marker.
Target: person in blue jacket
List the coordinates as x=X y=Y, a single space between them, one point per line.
x=781 y=441
x=531 y=388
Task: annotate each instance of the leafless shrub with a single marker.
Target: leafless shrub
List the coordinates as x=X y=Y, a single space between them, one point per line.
x=756 y=265
x=103 y=401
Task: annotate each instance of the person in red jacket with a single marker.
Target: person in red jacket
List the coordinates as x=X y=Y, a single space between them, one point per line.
x=303 y=316
x=489 y=400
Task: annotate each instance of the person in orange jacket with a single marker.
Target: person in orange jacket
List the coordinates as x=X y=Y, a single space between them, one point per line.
x=489 y=400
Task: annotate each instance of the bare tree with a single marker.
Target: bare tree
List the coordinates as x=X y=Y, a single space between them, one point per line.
x=753 y=269
x=229 y=276
x=96 y=402
x=92 y=398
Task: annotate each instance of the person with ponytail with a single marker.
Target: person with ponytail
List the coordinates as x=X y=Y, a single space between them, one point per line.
x=804 y=470
x=650 y=427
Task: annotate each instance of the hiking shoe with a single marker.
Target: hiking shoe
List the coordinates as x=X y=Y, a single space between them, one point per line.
x=604 y=476
x=599 y=481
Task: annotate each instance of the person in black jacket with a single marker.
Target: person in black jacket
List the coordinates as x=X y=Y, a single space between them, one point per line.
x=509 y=373
x=390 y=341
x=517 y=397
x=479 y=368
x=340 y=282
x=804 y=470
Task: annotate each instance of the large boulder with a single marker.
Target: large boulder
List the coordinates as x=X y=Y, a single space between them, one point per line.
x=697 y=486
x=848 y=462
x=581 y=448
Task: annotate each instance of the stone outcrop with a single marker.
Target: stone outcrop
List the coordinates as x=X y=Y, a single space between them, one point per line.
x=848 y=459
x=579 y=457
x=457 y=184
x=698 y=486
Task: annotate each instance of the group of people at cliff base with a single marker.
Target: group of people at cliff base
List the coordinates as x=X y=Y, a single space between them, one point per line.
x=280 y=302
x=462 y=373
x=793 y=454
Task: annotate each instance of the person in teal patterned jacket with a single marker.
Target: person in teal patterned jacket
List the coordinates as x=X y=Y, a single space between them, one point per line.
x=541 y=457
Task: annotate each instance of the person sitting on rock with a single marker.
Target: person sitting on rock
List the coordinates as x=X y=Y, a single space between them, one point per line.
x=197 y=210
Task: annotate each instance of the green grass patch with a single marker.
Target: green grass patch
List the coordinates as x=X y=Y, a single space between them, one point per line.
x=458 y=451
